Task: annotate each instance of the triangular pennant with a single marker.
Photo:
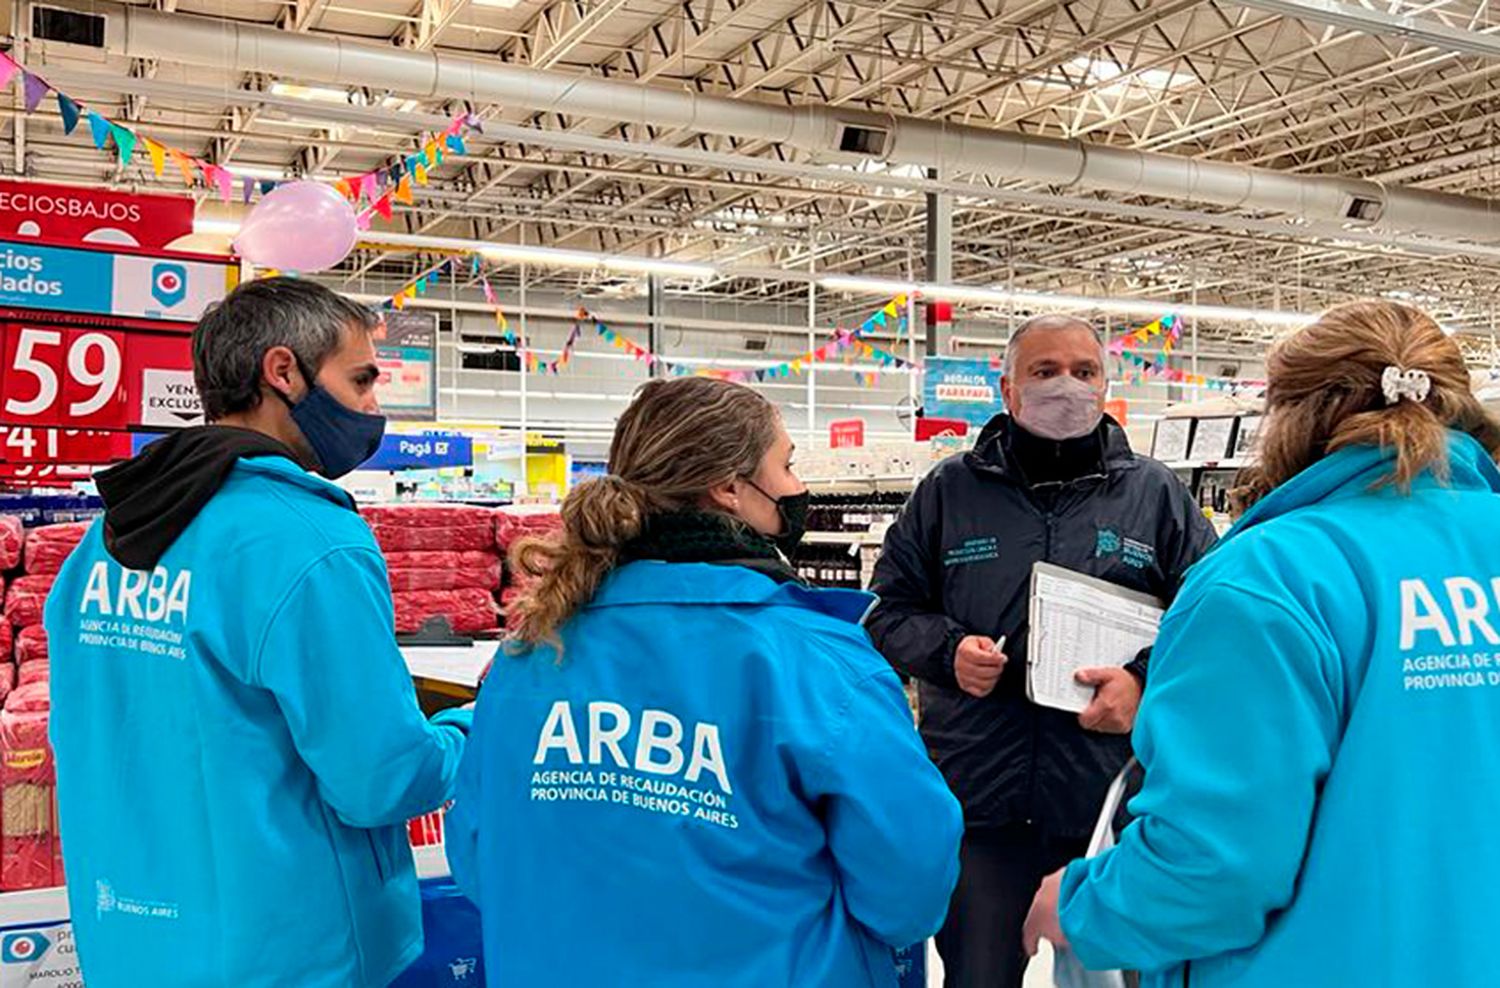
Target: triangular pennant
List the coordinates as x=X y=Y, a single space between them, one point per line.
x=267 y=187
x=158 y=156
x=346 y=190
x=383 y=205
x=36 y=90
x=124 y=142
x=65 y=106
x=410 y=291
x=421 y=174
x=890 y=309
x=403 y=191
x=431 y=151
x=247 y=189
x=184 y=165
x=368 y=187
x=8 y=70
x=100 y=128
x=473 y=122
x=399 y=301
x=456 y=144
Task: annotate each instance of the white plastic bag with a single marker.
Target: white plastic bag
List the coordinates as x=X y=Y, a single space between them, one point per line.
x=1067 y=971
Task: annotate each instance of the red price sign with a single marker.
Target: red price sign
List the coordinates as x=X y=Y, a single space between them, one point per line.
x=58 y=446
x=848 y=434
x=44 y=474
x=64 y=377
x=95 y=379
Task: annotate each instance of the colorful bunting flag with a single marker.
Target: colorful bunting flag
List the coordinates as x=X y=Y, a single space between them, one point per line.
x=36 y=90
x=8 y=69
x=65 y=106
x=158 y=156
x=100 y=129
x=124 y=142
x=383 y=205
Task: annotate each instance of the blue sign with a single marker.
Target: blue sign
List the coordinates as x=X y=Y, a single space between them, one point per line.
x=961 y=388
x=429 y=451
x=71 y=279
x=56 y=278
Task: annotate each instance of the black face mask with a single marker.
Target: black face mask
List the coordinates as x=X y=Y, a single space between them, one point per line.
x=340 y=437
x=793 y=511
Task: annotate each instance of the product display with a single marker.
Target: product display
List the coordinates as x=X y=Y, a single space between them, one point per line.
x=443 y=570
x=49 y=546
x=28 y=838
x=431 y=528
x=12 y=542
x=467 y=611
x=31 y=643
x=26 y=598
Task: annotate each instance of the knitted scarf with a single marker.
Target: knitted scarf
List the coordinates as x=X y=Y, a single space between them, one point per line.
x=703 y=537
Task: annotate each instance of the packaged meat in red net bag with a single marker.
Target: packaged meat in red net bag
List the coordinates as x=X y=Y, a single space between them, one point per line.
x=513 y=525
x=49 y=546
x=27 y=784
x=26 y=599
x=31 y=644
x=431 y=527
x=443 y=570
x=467 y=611
x=12 y=539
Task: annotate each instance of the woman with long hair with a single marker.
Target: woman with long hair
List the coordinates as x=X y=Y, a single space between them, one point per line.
x=689 y=769
x=1319 y=736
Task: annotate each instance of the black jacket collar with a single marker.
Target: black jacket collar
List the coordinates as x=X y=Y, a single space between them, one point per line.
x=992 y=454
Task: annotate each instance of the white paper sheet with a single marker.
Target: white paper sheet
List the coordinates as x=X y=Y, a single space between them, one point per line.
x=1079 y=622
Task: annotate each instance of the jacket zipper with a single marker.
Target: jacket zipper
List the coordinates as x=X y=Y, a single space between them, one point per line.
x=1047 y=520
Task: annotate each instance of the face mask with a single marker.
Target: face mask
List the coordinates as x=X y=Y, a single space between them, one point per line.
x=792 y=508
x=340 y=437
x=1059 y=408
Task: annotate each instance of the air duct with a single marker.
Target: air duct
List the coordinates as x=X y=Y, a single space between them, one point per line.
x=835 y=133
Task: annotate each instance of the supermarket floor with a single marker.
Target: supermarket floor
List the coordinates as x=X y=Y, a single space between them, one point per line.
x=1039 y=975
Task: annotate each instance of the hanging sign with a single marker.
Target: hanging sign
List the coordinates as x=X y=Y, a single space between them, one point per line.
x=98 y=282
x=407 y=388
x=93 y=378
x=429 y=451
x=963 y=389
x=847 y=434
x=65 y=214
x=68 y=446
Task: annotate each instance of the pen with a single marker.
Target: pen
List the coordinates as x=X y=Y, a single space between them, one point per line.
x=999 y=648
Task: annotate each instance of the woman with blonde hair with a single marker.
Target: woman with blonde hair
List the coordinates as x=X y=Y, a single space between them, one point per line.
x=690 y=769
x=1319 y=737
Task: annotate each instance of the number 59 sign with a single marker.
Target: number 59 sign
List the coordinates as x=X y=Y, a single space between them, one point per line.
x=64 y=377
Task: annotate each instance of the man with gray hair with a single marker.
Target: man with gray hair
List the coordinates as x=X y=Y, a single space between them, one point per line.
x=1053 y=480
x=237 y=741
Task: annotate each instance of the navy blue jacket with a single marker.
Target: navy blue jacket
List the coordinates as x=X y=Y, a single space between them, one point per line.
x=958 y=563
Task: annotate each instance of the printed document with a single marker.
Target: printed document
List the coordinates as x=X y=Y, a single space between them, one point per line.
x=1079 y=622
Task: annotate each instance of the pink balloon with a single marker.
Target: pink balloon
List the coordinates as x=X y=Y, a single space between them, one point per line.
x=299 y=226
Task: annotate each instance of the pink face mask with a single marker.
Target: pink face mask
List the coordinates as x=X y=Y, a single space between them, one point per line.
x=1059 y=408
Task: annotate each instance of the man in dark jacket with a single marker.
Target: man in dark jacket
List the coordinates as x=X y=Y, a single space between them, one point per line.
x=1052 y=481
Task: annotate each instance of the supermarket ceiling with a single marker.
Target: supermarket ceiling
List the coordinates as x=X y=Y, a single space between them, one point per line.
x=1403 y=98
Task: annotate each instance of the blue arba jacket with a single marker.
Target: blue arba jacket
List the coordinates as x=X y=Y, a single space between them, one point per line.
x=718 y=782
x=1320 y=741
x=237 y=746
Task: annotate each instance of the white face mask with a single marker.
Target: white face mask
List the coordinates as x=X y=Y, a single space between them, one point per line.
x=1059 y=408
